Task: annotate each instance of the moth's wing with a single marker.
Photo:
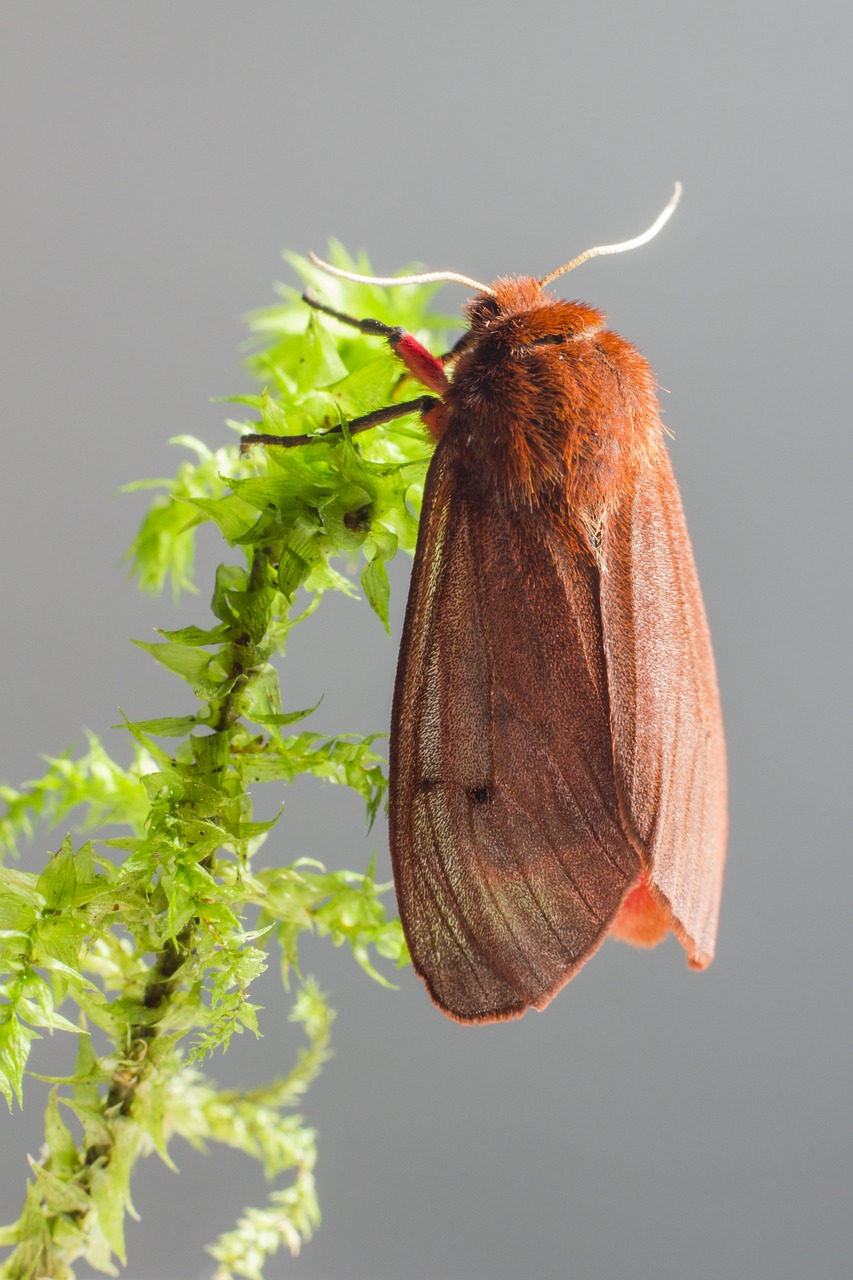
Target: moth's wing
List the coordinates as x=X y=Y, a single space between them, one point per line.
x=510 y=859
x=667 y=726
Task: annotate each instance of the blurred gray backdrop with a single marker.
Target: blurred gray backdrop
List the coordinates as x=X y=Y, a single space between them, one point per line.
x=155 y=159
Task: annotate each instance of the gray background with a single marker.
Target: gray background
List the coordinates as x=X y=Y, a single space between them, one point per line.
x=155 y=159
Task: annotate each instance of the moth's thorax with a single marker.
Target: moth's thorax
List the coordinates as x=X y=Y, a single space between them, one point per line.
x=544 y=397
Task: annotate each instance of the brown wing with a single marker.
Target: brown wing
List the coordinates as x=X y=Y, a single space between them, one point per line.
x=509 y=854
x=667 y=727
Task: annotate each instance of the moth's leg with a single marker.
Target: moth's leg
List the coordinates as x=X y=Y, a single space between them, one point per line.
x=426 y=406
x=420 y=363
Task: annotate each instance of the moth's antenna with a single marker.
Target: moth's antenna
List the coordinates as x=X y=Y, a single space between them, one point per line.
x=601 y=249
x=427 y=277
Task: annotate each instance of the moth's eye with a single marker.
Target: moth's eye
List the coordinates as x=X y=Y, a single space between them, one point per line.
x=549 y=339
x=484 y=307
x=480 y=795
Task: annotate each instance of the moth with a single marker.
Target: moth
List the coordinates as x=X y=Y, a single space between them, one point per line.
x=557 y=761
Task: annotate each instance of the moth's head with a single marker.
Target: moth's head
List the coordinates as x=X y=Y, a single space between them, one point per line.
x=518 y=311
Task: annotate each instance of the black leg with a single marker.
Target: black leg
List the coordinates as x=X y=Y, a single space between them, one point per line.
x=422 y=405
x=392 y=332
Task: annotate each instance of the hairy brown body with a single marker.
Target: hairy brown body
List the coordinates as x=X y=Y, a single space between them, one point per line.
x=557 y=746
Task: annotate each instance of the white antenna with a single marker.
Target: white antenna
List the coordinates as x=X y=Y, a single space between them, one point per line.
x=600 y=250
x=428 y=277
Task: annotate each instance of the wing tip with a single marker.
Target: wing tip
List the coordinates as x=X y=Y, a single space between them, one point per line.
x=476 y=1016
x=476 y=1013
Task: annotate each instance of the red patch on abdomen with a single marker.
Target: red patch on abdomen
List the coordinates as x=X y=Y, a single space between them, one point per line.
x=642 y=920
